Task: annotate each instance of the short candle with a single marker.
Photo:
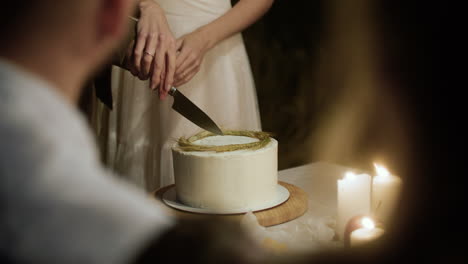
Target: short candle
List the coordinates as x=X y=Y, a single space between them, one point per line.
x=365 y=234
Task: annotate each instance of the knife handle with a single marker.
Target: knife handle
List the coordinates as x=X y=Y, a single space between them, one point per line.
x=172 y=91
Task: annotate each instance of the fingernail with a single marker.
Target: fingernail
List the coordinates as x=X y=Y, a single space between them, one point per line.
x=168 y=87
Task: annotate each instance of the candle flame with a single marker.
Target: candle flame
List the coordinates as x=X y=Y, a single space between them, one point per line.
x=381 y=170
x=350 y=175
x=367 y=223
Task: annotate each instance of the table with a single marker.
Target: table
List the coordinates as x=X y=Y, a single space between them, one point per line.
x=315 y=229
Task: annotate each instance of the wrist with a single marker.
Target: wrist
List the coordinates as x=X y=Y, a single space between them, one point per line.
x=208 y=36
x=146 y=5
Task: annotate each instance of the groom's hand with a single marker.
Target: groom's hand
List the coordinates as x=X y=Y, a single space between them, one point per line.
x=154 y=50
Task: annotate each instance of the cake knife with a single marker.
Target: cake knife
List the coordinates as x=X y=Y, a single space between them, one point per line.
x=189 y=110
x=182 y=104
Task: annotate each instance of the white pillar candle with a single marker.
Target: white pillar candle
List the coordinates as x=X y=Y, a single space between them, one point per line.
x=365 y=234
x=385 y=194
x=353 y=199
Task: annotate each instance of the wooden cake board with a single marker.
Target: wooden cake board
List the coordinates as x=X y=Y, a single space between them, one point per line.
x=294 y=207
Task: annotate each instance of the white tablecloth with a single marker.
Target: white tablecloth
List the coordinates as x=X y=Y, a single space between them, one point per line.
x=315 y=229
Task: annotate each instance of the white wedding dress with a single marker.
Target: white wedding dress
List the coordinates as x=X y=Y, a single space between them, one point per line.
x=137 y=135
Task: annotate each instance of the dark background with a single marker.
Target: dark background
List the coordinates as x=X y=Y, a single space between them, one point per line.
x=283 y=48
x=412 y=70
x=300 y=81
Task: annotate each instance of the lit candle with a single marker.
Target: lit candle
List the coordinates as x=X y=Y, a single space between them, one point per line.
x=366 y=234
x=385 y=194
x=353 y=199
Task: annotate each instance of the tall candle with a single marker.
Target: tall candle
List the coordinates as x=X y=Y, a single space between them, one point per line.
x=353 y=199
x=365 y=234
x=386 y=190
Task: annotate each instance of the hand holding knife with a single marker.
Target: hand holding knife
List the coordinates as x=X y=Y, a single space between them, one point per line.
x=181 y=104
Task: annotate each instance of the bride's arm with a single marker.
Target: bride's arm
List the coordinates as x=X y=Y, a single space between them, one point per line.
x=193 y=46
x=242 y=15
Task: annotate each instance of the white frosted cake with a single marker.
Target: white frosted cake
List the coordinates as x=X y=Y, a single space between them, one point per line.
x=244 y=178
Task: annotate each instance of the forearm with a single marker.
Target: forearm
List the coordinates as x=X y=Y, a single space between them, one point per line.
x=238 y=18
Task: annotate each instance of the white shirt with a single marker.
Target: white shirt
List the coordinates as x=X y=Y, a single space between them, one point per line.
x=57 y=203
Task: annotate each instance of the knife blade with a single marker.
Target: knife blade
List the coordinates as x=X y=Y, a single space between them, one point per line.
x=193 y=113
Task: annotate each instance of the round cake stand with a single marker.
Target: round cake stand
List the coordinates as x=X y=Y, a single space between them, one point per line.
x=294 y=207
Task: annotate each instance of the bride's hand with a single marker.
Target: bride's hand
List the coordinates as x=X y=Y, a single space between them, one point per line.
x=154 y=50
x=192 y=48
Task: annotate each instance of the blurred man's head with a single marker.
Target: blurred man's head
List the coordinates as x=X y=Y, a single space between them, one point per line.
x=62 y=41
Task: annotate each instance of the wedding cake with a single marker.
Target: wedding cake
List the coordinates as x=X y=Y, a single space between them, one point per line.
x=226 y=172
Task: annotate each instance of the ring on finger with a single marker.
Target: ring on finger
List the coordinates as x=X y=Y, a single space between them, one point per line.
x=148 y=53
